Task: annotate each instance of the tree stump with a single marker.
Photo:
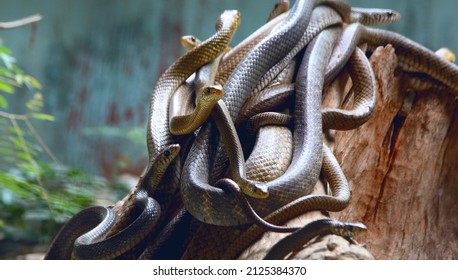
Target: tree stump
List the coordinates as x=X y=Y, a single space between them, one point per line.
x=402 y=166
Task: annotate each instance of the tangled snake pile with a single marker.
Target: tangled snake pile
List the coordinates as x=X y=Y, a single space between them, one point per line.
x=235 y=135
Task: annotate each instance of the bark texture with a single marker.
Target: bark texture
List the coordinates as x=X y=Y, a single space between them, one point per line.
x=402 y=166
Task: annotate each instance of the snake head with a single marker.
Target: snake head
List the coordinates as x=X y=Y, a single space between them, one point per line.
x=211 y=94
x=189 y=42
x=355 y=229
x=255 y=190
x=167 y=155
x=159 y=165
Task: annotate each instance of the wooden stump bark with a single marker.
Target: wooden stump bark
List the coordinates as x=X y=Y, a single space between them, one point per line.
x=403 y=168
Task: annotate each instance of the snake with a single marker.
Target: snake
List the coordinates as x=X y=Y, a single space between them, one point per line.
x=158 y=134
x=210 y=204
x=160 y=144
x=370 y=16
x=412 y=57
x=184 y=119
x=262 y=57
x=233 y=57
x=316 y=228
x=268 y=99
x=364 y=82
x=264 y=100
x=419 y=81
x=364 y=97
x=83 y=236
x=320 y=20
x=207 y=100
x=182 y=104
x=280 y=7
x=332 y=171
x=365 y=92
x=183 y=95
x=340 y=198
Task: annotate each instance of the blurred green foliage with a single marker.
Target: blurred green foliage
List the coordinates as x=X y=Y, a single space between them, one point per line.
x=32 y=212
x=36 y=197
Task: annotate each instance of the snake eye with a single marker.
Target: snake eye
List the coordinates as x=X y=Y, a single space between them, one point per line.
x=167 y=153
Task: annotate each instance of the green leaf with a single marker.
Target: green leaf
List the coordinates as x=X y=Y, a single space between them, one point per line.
x=5 y=72
x=32 y=82
x=16 y=69
x=9 y=159
x=14 y=185
x=6 y=87
x=19 y=79
x=23 y=156
x=41 y=116
x=3 y=102
x=5 y=151
x=33 y=105
x=16 y=141
x=5 y=50
x=16 y=130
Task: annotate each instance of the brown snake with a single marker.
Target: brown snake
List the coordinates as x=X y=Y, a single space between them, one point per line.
x=412 y=56
x=364 y=89
x=319 y=227
x=206 y=98
x=83 y=236
x=338 y=201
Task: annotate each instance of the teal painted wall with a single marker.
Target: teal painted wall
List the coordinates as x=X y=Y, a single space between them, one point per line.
x=98 y=60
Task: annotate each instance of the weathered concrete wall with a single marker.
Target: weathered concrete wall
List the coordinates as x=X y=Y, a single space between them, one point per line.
x=98 y=60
